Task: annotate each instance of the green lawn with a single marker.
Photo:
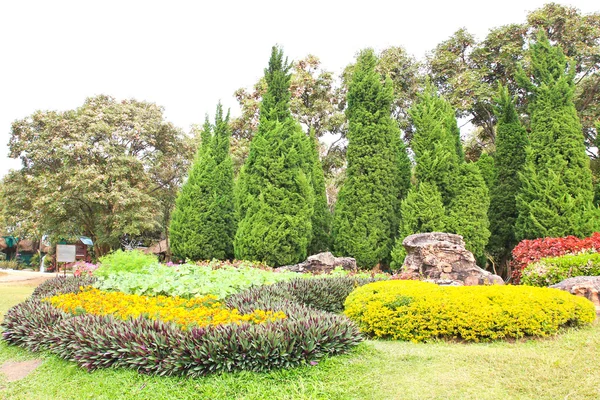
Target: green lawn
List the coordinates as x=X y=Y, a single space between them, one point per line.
x=562 y=367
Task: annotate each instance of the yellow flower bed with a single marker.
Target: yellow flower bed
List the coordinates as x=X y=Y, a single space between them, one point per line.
x=199 y=312
x=418 y=311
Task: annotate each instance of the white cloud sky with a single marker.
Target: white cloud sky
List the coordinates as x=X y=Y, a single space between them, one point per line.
x=187 y=55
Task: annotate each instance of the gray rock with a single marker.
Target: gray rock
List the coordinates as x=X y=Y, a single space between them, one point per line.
x=584 y=286
x=442 y=258
x=322 y=263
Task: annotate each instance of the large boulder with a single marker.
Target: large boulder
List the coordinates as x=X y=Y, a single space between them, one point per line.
x=584 y=286
x=442 y=258
x=322 y=263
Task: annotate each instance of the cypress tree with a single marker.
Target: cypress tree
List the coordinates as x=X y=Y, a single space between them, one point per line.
x=468 y=210
x=274 y=193
x=321 y=219
x=557 y=154
x=366 y=213
x=434 y=143
x=203 y=221
x=487 y=167
x=422 y=211
x=511 y=142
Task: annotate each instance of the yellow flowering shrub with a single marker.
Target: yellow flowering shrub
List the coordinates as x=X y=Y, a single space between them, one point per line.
x=419 y=311
x=199 y=312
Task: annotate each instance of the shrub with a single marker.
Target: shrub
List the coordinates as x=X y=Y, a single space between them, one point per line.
x=188 y=280
x=124 y=261
x=84 y=268
x=9 y=264
x=157 y=347
x=529 y=251
x=421 y=311
x=551 y=270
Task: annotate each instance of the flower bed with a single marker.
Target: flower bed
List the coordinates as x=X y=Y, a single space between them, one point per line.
x=421 y=311
x=158 y=347
x=552 y=270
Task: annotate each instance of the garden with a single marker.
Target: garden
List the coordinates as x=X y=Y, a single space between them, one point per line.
x=251 y=260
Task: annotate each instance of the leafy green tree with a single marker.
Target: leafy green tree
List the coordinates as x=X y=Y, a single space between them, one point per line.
x=468 y=210
x=107 y=169
x=274 y=194
x=511 y=142
x=203 y=222
x=422 y=211
x=487 y=167
x=321 y=219
x=366 y=213
x=556 y=198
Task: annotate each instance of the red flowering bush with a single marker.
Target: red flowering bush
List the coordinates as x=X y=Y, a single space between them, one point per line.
x=529 y=251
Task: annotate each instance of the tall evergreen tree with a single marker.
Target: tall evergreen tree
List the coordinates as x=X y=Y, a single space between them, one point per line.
x=487 y=167
x=468 y=210
x=422 y=211
x=274 y=195
x=203 y=221
x=321 y=219
x=511 y=142
x=366 y=213
x=435 y=143
x=557 y=154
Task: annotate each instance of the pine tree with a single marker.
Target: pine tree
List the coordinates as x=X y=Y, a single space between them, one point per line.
x=468 y=210
x=321 y=220
x=511 y=142
x=366 y=213
x=557 y=154
x=194 y=231
x=422 y=211
x=435 y=143
x=487 y=167
x=274 y=195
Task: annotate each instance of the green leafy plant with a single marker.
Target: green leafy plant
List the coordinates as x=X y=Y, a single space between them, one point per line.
x=551 y=270
x=124 y=261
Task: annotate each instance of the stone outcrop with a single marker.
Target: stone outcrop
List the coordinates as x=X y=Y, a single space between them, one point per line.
x=442 y=258
x=584 y=286
x=322 y=263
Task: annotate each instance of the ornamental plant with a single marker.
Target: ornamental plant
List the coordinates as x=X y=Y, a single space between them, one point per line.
x=186 y=313
x=529 y=251
x=124 y=261
x=422 y=311
x=552 y=270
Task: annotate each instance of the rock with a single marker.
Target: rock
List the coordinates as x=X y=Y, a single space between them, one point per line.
x=584 y=286
x=322 y=263
x=442 y=258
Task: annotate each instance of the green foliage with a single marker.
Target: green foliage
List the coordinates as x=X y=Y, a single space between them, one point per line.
x=487 y=167
x=468 y=210
x=275 y=196
x=422 y=211
x=192 y=280
x=321 y=219
x=556 y=197
x=124 y=261
x=422 y=311
x=86 y=173
x=156 y=347
x=321 y=293
x=203 y=223
x=511 y=142
x=434 y=143
x=367 y=211
x=552 y=270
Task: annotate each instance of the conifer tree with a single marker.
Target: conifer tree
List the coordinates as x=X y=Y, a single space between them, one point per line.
x=487 y=167
x=468 y=210
x=202 y=223
x=366 y=213
x=321 y=220
x=435 y=143
x=511 y=142
x=422 y=211
x=274 y=195
x=556 y=197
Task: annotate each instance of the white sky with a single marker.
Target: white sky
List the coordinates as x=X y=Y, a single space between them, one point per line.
x=187 y=55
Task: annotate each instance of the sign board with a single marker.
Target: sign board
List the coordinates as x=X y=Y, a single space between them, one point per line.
x=65 y=252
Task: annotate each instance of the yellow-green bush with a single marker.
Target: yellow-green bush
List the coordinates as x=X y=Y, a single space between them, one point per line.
x=419 y=311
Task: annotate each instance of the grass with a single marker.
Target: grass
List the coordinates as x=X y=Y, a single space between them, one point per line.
x=561 y=367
